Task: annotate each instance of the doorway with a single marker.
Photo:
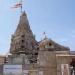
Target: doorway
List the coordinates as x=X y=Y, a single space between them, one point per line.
x=72 y=67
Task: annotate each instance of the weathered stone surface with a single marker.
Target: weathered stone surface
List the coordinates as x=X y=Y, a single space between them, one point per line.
x=47 y=60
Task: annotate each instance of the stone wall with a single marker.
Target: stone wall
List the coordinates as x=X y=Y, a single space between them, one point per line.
x=2 y=60
x=47 y=61
x=60 y=61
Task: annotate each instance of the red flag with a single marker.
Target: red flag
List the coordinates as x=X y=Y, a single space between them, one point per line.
x=18 y=5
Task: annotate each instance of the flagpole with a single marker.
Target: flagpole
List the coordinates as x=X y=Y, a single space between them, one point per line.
x=21 y=6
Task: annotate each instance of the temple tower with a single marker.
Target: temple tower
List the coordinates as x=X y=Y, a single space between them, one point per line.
x=23 y=41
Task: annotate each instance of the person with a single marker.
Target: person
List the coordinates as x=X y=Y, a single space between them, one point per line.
x=65 y=70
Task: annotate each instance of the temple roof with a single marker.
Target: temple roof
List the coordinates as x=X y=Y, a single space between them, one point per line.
x=47 y=43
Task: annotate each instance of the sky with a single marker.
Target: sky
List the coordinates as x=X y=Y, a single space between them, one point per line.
x=54 y=17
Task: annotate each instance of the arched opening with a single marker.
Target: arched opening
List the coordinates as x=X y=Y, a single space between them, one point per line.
x=72 y=67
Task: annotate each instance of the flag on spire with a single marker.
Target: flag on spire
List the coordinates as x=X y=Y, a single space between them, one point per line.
x=18 y=5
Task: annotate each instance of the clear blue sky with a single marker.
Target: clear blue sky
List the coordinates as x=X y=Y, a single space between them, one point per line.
x=55 y=17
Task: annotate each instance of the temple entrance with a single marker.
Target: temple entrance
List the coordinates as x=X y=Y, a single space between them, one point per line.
x=72 y=67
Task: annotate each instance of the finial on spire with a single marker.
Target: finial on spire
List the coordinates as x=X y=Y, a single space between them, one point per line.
x=44 y=33
x=23 y=13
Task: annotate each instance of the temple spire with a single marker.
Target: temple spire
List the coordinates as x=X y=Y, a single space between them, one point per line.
x=23 y=40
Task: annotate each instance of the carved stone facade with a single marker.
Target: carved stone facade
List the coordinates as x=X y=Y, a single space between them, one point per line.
x=23 y=41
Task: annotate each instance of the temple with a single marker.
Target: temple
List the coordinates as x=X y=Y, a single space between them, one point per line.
x=45 y=57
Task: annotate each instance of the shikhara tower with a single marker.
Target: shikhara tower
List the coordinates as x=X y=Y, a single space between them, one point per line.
x=23 y=41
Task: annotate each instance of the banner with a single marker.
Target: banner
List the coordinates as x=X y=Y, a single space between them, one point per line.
x=12 y=69
x=65 y=69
